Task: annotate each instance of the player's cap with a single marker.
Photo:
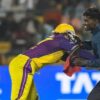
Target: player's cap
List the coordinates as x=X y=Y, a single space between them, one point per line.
x=63 y=28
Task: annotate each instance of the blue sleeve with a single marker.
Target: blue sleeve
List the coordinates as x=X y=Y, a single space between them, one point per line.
x=95 y=62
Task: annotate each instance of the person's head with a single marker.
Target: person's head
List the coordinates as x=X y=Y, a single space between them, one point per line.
x=91 y=18
x=63 y=29
x=66 y=30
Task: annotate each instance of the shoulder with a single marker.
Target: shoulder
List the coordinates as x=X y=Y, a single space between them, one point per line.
x=60 y=37
x=96 y=38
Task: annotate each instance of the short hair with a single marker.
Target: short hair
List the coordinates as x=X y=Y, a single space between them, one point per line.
x=93 y=13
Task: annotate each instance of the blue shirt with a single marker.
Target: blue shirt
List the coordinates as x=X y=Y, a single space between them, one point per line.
x=96 y=47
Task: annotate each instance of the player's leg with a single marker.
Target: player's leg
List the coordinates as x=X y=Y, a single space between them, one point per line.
x=21 y=77
x=32 y=93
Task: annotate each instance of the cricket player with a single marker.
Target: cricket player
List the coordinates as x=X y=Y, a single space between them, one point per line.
x=23 y=67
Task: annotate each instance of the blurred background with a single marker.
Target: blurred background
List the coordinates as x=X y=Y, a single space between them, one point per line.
x=23 y=23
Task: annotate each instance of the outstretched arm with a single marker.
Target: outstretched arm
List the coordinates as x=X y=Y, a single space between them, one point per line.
x=85 y=54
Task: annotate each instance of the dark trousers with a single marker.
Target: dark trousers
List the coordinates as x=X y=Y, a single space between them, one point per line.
x=95 y=93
